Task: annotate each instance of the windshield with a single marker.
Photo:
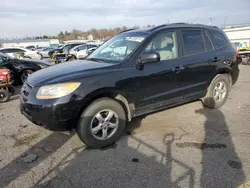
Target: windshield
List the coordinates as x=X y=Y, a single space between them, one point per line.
x=118 y=48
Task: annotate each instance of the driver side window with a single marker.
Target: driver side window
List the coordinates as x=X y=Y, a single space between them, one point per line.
x=165 y=44
x=1 y=60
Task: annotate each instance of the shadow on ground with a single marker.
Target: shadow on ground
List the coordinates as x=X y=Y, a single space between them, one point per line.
x=125 y=165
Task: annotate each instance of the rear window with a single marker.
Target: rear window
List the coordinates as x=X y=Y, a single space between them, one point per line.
x=193 y=42
x=218 y=39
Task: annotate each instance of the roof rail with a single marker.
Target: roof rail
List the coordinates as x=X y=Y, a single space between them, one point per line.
x=180 y=23
x=157 y=27
x=126 y=30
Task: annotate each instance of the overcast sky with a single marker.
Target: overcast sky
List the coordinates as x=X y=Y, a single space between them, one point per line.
x=20 y=18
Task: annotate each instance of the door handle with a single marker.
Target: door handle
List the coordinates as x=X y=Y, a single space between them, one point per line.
x=178 y=69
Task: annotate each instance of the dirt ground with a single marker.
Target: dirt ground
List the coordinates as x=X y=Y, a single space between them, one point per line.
x=186 y=146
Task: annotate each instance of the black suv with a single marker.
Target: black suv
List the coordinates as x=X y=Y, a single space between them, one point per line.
x=133 y=73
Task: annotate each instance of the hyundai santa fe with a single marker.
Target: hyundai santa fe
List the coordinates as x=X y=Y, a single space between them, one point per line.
x=133 y=73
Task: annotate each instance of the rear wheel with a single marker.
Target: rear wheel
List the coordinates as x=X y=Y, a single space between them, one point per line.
x=102 y=123
x=218 y=91
x=25 y=74
x=4 y=96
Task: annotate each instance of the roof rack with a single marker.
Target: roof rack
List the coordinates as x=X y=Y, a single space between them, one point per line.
x=179 y=23
x=126 y=30
x=157 y=27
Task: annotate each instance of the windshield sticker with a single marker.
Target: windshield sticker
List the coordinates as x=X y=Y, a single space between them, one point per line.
x=137 y=39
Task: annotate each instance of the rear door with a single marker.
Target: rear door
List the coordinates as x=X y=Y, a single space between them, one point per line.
x=196 y=71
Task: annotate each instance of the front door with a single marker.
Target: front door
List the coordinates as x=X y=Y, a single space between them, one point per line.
x=157 y=86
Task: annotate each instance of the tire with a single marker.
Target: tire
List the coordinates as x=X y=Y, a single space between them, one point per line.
x=11 y=89
x=216 y=97
x=71 y=58
x=4 y=96
x=88 y=120
x=27 y=57
x=25 y=74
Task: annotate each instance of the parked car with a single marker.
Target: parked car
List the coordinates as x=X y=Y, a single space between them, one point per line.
x=133 y=73
x=30 y=48
x=21 y=69
x=38 y=49
x=63 y=49
x=82 y=51
x=17 y=50
x=45 y=52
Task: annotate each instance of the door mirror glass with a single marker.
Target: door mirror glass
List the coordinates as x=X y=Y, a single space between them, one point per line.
x=149 y=57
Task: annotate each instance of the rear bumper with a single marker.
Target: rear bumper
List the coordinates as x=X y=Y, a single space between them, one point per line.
x=235 y=74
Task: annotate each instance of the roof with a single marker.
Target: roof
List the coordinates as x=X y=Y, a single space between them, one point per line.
x=172 y=25
x=15 y=48
x=24 y=40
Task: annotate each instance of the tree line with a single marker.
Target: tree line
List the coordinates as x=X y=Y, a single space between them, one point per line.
x=101 y=34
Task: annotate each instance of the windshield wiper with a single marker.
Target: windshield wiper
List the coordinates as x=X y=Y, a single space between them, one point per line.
x=95 y=59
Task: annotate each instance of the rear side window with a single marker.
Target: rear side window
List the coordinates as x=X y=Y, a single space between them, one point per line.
x=193 y=42
x=83 y=47
x=5 y=51
x=208 y=43
x=16 y=50
x=218 y=39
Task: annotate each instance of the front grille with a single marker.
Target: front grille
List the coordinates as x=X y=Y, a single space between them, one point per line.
x=25 y=91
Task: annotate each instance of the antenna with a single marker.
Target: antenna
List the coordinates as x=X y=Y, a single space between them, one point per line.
x=210 y=21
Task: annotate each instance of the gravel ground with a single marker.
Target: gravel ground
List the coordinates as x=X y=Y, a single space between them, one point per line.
x=186 y=146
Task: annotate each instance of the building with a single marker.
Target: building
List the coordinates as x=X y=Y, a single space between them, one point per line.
x=25 y=43
x=90 y=37
x=240 y=36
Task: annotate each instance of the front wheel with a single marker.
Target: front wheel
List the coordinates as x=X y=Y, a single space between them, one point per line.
x=71 y=58
x=218 y=91
x=25 y=74
x=102 y=123
x=4 y=96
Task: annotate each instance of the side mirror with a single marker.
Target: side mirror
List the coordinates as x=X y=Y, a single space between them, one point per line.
x=149 y=57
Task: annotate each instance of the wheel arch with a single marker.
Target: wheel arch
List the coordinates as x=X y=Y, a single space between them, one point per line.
x=114 y=94
x=227 y=71
x=21 y=71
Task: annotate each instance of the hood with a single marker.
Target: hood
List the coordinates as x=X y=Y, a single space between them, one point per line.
x=65 y=72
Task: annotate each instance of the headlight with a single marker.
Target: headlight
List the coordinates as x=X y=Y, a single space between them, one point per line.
x=56 y=90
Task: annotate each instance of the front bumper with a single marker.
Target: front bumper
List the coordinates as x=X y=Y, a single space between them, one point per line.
x=56 y=115
x=47 y=118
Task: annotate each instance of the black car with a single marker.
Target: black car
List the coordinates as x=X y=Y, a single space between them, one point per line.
x=134 y=73
x=19 y=68
x=63 y=48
